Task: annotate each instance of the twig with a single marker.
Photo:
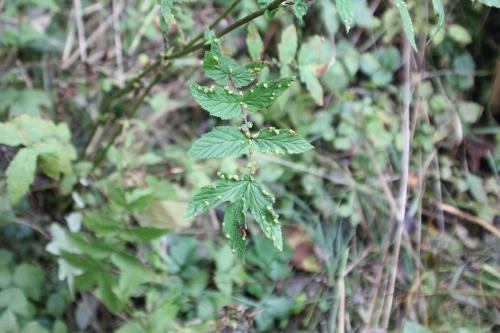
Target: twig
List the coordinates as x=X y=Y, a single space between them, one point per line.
x=118 y=41
x=469 y=217
x=82 y=43
x=405 y=164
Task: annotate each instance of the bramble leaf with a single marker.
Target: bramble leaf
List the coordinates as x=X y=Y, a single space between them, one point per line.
x=407 y=23
x=10 y=135
x=264 y=94
x=234 y=218
x=313 y=58
x=260 y=203
x=222 y=141
x=288 y=45
x=219 y=102
x=300 y=8
x=21 y=173
x=344 y=7
x=213 y=195
x=223 y=69
x=280 y=141
x=255 y=44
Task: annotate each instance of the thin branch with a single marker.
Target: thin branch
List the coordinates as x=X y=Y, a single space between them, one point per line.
x=405 y=165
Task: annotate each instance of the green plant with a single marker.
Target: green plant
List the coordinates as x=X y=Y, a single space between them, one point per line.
x=228 y=100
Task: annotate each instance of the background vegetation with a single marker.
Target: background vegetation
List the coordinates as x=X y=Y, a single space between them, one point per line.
x=391 y=223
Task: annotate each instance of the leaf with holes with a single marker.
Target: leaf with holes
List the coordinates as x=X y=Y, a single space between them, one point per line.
x=213 y=195
x=222 y=141
x=264 y=94
x=234 y=220
x=21 y=173
x=407 y=23
x=280 y=141
x=219 y=102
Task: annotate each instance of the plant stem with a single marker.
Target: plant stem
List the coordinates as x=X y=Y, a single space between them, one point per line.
x=99 y=158
x=189 y=48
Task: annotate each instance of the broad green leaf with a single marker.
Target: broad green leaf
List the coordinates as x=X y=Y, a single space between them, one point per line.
x=29 y=278
x=312 y=84
x=407 y=23
x=438 y=8
x=300 y=8
x=414 y=327
x=254 y=42
x=234 y=219
x=224 y=70
x=222 y=141
x=459 y=34
x=8 y=322
x=27 y=101
x=313 y=58
x=344 y=7
x=280 y=141
x=15 y=300
x=288 y=45
x=219 y=102
x=260 y=204
x=491 y=3
x=264 y=94
x=34 y=327
x=213 y=195
x=10 y=135
x=21 y=173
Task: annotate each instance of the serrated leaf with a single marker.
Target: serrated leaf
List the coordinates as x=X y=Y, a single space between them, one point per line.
x=300 y=8
x=224 y=70
x=344 y=8
x=312 y=84
x=213 y=195
x=217 y=101
x=264 y=94
x=491 y=3
x=222 y=141
x=407 y=23
x=280 y=141
x=260 y=203
x=234 y=218
x=438 y=8
x=288 y=45
x=21 y=173
x=254 y=42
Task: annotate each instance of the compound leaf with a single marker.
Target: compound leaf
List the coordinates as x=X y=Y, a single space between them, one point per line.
x=280 y=141
x=234 y=219
x=213 y=195
x=263 y=94
x=21 y=173
x=222 y=141
x=219 y=102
